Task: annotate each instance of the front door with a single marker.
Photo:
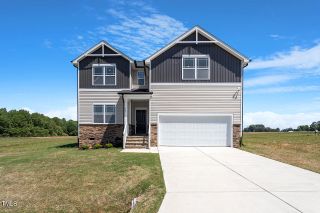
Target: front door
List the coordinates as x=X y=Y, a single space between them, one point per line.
x=141 y=121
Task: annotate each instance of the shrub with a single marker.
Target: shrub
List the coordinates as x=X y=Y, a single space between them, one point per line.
x=97 y=146
x=117 y=142
x=108 y=145
x=84 y=147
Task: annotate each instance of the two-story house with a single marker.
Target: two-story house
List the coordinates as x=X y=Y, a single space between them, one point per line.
x=189 y=93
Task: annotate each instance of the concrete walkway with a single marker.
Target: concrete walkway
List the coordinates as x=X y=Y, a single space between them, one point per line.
x=221 y=179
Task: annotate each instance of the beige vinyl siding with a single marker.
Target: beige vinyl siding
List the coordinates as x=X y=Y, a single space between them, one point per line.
x=196 y=98
x=88 y=98
x=134 y=82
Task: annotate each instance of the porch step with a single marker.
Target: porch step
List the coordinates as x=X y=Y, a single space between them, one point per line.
x=137 y=142
x=136 y=146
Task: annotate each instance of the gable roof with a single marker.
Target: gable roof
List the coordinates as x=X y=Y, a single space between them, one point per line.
x=211 y=39
x=102 y=44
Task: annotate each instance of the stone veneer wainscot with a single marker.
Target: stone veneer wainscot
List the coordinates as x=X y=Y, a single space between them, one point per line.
x=91 y=134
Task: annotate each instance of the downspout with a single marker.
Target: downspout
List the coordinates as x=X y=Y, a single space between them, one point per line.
x=78 y=120
x=242 y=100
x=242 y=97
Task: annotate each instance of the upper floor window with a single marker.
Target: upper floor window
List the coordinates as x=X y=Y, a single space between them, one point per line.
x=104 y=114
x=104 y=74
x=140 y=78
x=195 y=67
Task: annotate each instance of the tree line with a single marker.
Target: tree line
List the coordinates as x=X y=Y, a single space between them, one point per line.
x=261 y=128
x=22 y=123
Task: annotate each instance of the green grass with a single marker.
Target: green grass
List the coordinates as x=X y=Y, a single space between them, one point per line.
x=300 y=149
x=52 y=175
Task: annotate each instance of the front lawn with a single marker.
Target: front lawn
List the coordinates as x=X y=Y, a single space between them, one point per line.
x=300 y=149
x=51 y=174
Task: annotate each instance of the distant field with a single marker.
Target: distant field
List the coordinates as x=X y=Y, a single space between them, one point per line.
x=300 y=149
x=52 y=175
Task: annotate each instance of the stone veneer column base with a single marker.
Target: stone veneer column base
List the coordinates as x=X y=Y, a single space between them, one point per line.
x=91 y=134
x=236 y=135
x=154 y=135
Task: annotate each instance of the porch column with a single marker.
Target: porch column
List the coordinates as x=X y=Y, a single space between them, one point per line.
x=125 y=132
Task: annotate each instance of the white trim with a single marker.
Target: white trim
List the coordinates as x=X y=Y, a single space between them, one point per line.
x=195 y=57
x=144 y=77
x=135 y=117
x=195 y=114
x=196 y=42
x=137 y=96
x=196 y=35
x=150 y=73
x=95 y=47
x=130 y=77
x=149 y=124
x=102 y=90
x=198 y=84
x=104 y=112
x=209 y=36
x=103 y=55
x=78 y=112
x=104 y=74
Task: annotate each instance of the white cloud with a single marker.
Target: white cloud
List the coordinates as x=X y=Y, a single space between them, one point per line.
x=138 y=30
x=284 y=89
x=267 y=80
x=275 y=120
x=47 y=43
x=68 y=113
x=141 y=33
x=295 y=58
x=277 y=36
x=27 y=109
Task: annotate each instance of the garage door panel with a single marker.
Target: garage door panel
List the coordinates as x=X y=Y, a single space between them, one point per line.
x=194 y=130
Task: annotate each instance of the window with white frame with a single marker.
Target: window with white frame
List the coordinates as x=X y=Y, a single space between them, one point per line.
x=104 y=113
x=195 y=67
x=104 y=74
x=140 y=78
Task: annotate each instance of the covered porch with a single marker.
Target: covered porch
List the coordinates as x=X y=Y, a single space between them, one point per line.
x=136 y=132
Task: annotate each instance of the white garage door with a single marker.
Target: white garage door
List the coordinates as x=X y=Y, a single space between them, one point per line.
x=194 y=130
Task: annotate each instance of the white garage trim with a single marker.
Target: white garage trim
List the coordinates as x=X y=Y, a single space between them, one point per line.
x=203 y=118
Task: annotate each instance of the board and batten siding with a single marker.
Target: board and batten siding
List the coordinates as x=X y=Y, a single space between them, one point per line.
x=88 y=98
x=196 y=98
x=167 y=67
x=122 y=72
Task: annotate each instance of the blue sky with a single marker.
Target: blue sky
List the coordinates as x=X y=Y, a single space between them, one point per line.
x=38 y=40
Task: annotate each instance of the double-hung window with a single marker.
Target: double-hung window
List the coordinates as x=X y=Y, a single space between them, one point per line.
x=104 y=113
x=104 y=74
x=140 y=78
x=195 y=67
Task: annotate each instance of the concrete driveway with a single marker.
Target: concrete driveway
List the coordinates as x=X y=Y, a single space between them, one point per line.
x=221 y=179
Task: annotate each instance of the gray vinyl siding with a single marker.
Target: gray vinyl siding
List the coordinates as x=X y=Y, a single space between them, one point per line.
x=167 y=67
x=107 y=50
x=88 y=98
x=202 y=38
x=122 y=72
x=207 y=98
x=191 y=37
